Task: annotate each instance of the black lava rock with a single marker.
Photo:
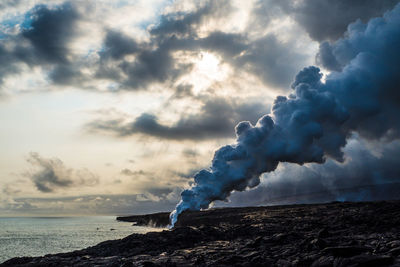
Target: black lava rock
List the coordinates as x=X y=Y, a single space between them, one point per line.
x=333 y=234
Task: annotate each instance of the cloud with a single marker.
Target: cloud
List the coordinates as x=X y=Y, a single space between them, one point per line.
x=136 y=63
x=185 y=23
x=52 y=175
x=183 y=91
x=275 y=62
x=133 y=63
x=128 y=172
x=216 y=119
x=43 y=40
x=329 y=19
x=10 y=67
x=50 y=32
x=150 y=67
x=118 y=45
x=323 y=19
x=156 y=61
x=326 y=58
x=116 y=204
x=9 y=3
x=190 y=153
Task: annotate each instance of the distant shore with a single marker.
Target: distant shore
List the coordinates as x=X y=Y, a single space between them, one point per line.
x=340 y=234
x=160 y=219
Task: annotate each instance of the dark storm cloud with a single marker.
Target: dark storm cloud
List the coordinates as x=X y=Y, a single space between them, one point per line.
x=50 y=32
x=154 y=62
x=326 y=58
x=10 y=67
x=118 y=45
x=322 y=19
x=43 y=41
x=151 y=66
x=328 y=19
x=273 y=61
x=183 y=91
x=52 y=174
x=66 y=74
x=159 y=65
x=216 y=119
x=226 y=44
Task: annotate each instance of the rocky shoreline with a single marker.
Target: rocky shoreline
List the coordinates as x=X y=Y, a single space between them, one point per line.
x=333 y=234
x=160 y=219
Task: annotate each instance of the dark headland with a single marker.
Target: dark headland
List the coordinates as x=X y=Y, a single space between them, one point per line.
x=334 y=234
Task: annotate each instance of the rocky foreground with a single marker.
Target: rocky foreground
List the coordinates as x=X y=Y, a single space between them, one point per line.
x=334 y=234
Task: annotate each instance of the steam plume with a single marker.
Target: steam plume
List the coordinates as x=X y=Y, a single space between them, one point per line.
x=314 y=121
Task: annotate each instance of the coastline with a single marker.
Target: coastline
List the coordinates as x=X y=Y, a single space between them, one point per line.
x=340 y=234
x=37 y=236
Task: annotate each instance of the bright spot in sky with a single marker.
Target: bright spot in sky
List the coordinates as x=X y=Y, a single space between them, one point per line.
x=207 y=70
x=208 y=64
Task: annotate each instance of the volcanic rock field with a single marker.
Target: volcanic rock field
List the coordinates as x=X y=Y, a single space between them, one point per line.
x=333 y=234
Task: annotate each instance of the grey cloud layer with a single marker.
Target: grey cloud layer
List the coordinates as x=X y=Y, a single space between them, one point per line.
x=147 y=202
x=51 y=174
x=51 y=31
x=45 y=42
x=216 y=119
x=185 y=23
x=154 y=61
x=273 y=61
x=323 y=19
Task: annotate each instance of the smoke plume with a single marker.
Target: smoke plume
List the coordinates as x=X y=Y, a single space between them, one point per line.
x=315 y=120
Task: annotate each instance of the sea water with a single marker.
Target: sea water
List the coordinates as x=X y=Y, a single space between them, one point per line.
x=37 y=236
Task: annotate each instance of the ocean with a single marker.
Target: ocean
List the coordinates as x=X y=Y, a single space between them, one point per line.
x=37 y=236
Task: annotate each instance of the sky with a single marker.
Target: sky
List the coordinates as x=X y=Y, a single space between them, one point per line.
x=111 y=107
